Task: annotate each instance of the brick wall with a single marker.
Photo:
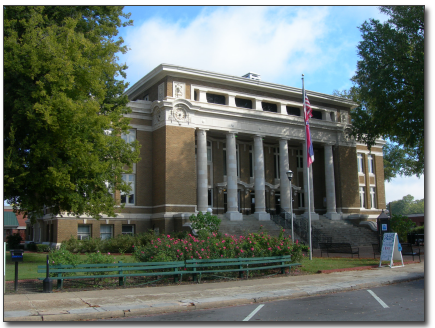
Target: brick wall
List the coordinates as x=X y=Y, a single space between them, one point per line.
x=181 y=166
x=346 y=177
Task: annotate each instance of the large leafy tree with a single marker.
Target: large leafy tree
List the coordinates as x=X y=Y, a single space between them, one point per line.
x=389 y=86
x=407 y=205
x=64 y=109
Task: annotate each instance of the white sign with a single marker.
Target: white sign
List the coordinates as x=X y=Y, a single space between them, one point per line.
x=391 y=250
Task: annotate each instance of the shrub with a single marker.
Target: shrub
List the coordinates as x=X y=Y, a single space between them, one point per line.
x=120 y=244
x=401 y=225
x=99 y=258
x=91 y=245
x=207 y=222
x=42 y=248
x=32 y=247
x=419 y=230
x=72 y=245
x=14 y=240
x=63 y=256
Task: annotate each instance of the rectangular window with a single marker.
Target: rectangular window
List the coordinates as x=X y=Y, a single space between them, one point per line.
x=245 y=103
x=301 y=200
x=106 y=231
x=295 y=111
x=210 y=198
x=371 y=162
x=373 y=197
x=269 y=107
x=276 y=162
x=360 y=163
x=128 y=199
x=130 y=136
x=317 y=114
x=215 y=99
x=300 y=159
x=128 y=229
x=362 y=197
x=83 y=231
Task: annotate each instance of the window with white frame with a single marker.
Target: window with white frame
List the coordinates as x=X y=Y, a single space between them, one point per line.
x=373 y=197
x=276 y=162
x=362 y=197
x=129 y=198
x=128 y=229
x=360 y=163
x=83 y=231
x=371 y=162
x=106 y=231
x=130 y=136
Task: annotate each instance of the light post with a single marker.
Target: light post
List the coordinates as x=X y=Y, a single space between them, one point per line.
x=290 y=176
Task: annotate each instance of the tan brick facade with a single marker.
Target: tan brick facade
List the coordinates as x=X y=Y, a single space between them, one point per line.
x=166 y=177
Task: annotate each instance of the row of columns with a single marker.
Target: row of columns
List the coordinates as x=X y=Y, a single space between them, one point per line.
x=260 y=190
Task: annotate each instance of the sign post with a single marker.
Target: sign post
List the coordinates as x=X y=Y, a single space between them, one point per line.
x=391 y=250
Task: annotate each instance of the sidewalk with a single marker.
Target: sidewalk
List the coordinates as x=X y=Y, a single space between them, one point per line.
x=70 y=306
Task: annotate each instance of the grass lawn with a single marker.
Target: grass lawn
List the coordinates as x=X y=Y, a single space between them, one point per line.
x=318 y=263
x=28 y=269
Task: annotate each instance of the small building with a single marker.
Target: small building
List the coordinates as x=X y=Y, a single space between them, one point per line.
x=418 y=219
x=13 y=223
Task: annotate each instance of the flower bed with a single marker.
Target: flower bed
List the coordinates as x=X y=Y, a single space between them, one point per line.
x=211 y=246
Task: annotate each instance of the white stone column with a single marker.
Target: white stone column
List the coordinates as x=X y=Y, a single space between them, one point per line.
x=284 y=167
x=260 y=187
x=232 y=201
x=202 y=180
x=331 y=211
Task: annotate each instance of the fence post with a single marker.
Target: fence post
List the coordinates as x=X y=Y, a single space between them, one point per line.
x=121 y=279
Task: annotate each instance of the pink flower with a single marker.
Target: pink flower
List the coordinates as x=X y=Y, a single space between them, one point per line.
x=223 y=241
x=132 y=246
x=297 y=241
x=270 y=248
x=108 y=253
x=252 y=248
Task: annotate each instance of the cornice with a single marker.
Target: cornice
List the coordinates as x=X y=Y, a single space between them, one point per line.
x=178 y=71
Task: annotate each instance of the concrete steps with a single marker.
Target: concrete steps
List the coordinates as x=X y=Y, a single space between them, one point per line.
x=345 y=232
x=249 y=224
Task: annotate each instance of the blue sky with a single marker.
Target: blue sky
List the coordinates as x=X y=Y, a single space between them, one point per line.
x=279 y=43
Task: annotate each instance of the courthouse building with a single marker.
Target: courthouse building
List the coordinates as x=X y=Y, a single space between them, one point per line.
x=211 y=140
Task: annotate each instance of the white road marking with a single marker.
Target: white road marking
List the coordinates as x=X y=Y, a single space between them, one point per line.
x=378 y=299
x=253 y=312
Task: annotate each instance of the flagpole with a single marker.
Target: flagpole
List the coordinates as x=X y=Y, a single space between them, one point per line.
x=308 y=173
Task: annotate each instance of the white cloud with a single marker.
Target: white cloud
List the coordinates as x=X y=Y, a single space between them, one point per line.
x=234 y=40
x=402 y=186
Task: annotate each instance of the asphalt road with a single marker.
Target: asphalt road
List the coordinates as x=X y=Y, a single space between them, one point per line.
x=397 y=302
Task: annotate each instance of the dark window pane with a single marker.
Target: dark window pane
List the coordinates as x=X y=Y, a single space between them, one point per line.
x=268 y=107
x=215 y=99
x=245 y=103
x=317 y=114
x=293 y=111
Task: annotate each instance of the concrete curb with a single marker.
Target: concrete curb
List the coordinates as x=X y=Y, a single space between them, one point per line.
x=199 y=305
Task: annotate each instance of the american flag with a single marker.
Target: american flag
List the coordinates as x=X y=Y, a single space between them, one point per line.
x=308 y=114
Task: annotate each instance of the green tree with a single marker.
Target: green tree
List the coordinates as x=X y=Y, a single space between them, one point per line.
x=407 y=205
x=401 y=225
x=64 y=109
x=389 y=87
